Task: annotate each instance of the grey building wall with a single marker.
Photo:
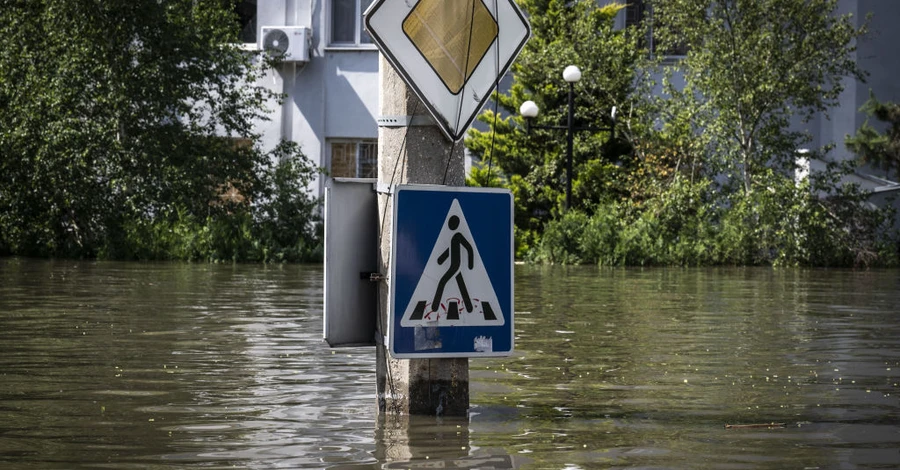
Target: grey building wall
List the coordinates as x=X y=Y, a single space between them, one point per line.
x=876 y=54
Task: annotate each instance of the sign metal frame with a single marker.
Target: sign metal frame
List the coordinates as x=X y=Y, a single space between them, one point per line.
x=420 y=213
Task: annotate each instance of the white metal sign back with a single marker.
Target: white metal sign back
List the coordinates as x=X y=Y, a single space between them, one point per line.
x=452 y=53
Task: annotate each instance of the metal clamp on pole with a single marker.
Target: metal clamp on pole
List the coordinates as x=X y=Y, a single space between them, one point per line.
x=405 y=121
x=372 y=277
x=383 y=188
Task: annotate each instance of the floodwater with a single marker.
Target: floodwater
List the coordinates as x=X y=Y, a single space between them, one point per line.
x=137 y=365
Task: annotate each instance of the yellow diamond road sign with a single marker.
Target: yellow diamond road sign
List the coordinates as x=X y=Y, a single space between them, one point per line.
x=449 y=39
x=451 y=53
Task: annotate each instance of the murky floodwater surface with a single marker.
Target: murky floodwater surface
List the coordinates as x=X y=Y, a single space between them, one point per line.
x=133 y=365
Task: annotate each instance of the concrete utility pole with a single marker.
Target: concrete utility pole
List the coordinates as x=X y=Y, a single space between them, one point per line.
x=416 y=154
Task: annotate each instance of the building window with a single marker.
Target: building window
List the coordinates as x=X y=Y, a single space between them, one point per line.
x=246 y=12
x=354 y=159
x=637 y=11
x=347 y=22
x=634 y=12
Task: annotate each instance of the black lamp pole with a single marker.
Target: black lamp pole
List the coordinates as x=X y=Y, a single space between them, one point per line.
x=570 y=139
x=529 y=110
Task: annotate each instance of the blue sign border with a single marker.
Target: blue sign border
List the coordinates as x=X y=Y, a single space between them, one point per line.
x=419 y=212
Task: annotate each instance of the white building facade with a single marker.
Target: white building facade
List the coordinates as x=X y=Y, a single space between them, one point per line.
x=331 y=99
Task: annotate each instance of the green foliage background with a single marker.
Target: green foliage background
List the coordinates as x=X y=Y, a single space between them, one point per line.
x=533 y=165
x=125 y=124
x=126 y=131
x=702 y=167
x=874 y=147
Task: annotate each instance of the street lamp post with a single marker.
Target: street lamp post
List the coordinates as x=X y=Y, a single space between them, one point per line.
x=529 y=110
x=571 y=74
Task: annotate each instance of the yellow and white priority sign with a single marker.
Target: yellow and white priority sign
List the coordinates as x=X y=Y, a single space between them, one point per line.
x=451 y=53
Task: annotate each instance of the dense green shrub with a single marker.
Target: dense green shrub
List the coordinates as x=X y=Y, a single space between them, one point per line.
x=128 y=131
x=690 y=224
x=283 y=226
x=562 y=240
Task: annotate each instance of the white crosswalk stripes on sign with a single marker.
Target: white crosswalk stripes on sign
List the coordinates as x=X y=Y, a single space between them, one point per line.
x=454 y=288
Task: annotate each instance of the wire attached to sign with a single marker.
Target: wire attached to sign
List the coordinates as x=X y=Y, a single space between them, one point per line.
x=496 y=101
x=382 y=330
x=495 y=89
x=465 y=73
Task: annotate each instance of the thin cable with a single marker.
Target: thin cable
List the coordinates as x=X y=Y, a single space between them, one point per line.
x=401 y=156
x=496 y=101
x=387 y=368
x=493 y=134
x=449 y=159
x=465 y=72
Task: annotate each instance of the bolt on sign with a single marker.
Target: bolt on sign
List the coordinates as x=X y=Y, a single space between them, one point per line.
x=451 y=53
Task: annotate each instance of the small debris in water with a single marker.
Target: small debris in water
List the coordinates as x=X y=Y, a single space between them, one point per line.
x=755 y=426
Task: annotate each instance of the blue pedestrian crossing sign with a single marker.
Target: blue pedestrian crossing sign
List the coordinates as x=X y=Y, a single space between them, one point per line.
x=451 y=272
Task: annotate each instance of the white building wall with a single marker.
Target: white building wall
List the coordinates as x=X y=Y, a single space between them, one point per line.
x=351 y=89
x=334 y=95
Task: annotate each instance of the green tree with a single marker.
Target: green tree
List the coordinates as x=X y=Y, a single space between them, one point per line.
x=753 y=66
x=122 y=120
x=703 y=171
x=533 y=165
x=720 y=157
x=874 y=147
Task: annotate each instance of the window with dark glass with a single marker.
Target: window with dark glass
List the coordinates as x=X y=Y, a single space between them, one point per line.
x=354 y=159
x=246 y=12
x=347 y=22
x=637 y=11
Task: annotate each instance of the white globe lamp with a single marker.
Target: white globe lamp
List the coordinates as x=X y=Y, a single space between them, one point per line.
x=572 y=74
x=529 y=109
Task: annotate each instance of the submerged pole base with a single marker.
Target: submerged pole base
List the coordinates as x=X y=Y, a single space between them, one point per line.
x=429 y=387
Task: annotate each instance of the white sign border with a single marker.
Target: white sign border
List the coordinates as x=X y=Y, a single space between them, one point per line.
x=512 y=35
x=393 y=274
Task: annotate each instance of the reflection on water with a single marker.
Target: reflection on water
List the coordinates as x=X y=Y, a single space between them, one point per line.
x=128 y=365
x=645 y=368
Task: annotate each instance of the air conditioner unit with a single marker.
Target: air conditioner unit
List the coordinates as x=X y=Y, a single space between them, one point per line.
x=290 y=43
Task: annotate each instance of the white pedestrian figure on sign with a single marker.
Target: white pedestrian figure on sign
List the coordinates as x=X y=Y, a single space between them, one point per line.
x=454 y=268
